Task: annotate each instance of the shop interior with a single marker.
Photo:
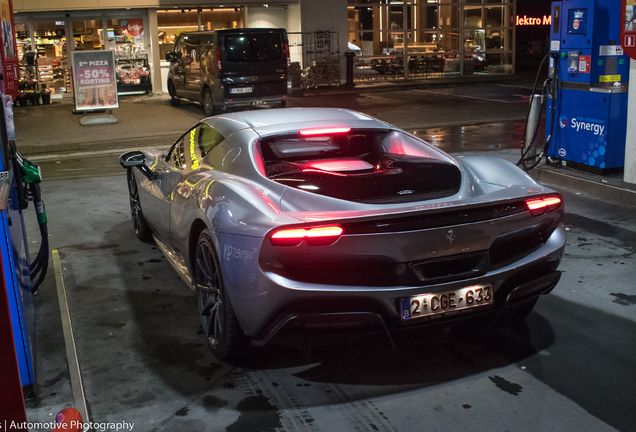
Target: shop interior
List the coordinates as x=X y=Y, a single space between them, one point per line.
x=172 y=22
x=431 y=36
x=43 y=53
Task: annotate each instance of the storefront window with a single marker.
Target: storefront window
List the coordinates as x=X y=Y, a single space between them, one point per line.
x=88 y=35
x=172 y=22
x=41 y=55
x=495 y=16
x=126 y=37
x=473 y=16
x=449 y=16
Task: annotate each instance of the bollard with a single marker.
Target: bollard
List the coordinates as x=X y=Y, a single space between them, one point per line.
x=69 y=420
x=350 y=55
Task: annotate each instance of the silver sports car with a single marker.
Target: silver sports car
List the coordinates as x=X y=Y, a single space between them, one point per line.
x=331 y=220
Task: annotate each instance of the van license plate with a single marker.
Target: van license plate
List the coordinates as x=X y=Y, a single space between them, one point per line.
x=446 y=303
x=239 y=90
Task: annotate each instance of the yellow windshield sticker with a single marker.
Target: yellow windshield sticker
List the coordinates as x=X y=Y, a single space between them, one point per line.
x=193 y=156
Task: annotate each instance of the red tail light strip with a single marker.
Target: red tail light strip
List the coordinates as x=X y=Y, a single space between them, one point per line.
x=539 y=206
x=314 y=236
x=324 y=131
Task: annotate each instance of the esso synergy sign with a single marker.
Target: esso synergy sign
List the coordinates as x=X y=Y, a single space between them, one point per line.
x=628 y=28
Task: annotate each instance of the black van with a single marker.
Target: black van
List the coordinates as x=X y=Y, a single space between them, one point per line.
x=230 y=67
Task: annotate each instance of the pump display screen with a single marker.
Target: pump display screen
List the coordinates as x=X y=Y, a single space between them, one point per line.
x=577 y=21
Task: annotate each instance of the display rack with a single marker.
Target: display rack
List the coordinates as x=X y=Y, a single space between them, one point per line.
x=131 y=67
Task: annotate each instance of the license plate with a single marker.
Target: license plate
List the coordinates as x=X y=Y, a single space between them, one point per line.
x=238 y=90
x=446 y=303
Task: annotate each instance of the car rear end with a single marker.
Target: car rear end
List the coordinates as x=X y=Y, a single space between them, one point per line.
x=253 y=67
x=393 y=233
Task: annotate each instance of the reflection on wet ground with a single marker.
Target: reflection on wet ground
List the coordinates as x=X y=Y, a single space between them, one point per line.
x=451 y=139
x=491 y=136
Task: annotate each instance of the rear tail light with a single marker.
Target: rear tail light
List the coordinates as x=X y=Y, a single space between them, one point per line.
x=324 y=131
x=219 y=63
x=540 y=206
x=314 y=236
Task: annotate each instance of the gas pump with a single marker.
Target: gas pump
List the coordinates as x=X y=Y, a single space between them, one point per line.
x=19 y=184
x=588 y=111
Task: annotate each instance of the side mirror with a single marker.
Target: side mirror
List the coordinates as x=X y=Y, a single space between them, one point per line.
x=137 y=159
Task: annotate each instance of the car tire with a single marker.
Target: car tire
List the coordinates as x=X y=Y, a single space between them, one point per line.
x=283 y=104
x=208 y=103
x=142 y=229
x=220 y=325
x=174 y=101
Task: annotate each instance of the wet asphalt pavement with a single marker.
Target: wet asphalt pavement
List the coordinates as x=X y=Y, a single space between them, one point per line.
x=144 y=359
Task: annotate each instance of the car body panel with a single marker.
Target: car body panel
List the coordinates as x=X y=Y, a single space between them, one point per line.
x=384 y=248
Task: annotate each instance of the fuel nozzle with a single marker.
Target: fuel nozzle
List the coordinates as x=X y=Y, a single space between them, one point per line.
x=31 y=173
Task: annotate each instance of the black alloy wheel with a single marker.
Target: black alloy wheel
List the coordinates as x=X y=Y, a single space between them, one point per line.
x=142 y=229
x=220 y=326
x=174 y=101
x=208 y=103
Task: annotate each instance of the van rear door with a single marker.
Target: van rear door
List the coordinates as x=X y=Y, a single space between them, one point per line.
x=254 y=64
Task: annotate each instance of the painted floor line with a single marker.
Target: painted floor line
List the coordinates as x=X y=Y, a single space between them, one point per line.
x=515 y=86
x=469 y=97
x=77 y=387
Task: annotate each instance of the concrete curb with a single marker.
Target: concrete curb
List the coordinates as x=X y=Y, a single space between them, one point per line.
x=397 y=84
x=618 y=193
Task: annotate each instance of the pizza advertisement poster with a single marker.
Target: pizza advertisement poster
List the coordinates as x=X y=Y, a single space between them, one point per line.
x=94 y=79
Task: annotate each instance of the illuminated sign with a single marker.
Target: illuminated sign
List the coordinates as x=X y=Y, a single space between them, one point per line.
x=529 y=21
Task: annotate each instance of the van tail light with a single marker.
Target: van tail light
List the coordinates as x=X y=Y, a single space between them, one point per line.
x=315 y=236
x=287 y=53
x=540 y=206
x=219 y=63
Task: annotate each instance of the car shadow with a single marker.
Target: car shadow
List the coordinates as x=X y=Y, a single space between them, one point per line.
x=173 y=347
x=420 y=357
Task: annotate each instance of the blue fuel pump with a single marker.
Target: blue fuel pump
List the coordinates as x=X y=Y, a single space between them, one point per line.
x=588 y=110
x=19 y=184
x=15 y=260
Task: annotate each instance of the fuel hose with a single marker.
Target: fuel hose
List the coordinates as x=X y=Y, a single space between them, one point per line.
x=28 y=179
x=550 y=87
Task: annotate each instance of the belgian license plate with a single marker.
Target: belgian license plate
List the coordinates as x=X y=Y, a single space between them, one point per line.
x=446 y=303
x=239 y=90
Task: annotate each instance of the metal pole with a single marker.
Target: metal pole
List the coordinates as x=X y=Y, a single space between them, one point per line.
x=533 y=124
x=405 y=40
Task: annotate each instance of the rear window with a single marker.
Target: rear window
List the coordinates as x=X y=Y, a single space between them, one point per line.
x=254 y=47
x=361 y=165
